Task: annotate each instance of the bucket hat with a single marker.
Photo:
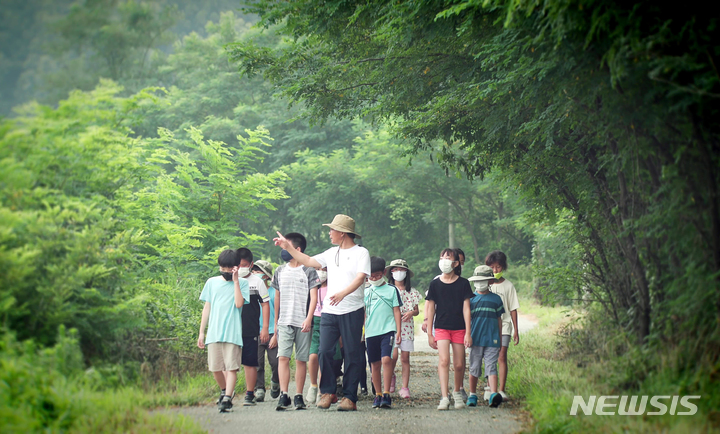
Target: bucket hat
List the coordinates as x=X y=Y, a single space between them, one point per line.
x=482 y=272
x=265 y=267
x=398 y=263
x=343 y=223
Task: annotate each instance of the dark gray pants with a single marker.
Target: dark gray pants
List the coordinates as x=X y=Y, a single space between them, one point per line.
x=272 y=359
x=349 y=327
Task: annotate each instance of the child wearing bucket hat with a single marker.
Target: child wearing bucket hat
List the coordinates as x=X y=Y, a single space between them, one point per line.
x=348 y=265
x=399 y=274
x=486 y=311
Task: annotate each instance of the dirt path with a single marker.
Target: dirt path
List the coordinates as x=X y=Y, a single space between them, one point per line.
x=417 y=415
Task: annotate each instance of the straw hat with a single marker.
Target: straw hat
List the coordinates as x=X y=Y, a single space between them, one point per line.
x=343 y=223
x=482 y=272
x=398 y=263
x=265 y=267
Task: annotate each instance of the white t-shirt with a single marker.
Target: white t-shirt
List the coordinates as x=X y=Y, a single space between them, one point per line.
x=507 y=293
x=352 y=261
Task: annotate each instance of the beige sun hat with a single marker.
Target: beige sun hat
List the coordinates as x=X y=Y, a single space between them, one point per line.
x=482 y=272
x=343 y=223
x=398 y=263
x=265 y=267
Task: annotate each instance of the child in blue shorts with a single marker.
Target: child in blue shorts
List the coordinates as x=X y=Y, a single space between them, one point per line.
x=382 y=329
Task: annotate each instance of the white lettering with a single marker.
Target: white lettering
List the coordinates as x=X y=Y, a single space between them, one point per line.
x=578 y=401
x=625 y=409
x=673 y=406
x=655 y=402
x=601 y=405
x=685 y=402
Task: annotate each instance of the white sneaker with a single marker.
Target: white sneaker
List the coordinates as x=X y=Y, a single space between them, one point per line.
x=487 y=394
x=444 y=403
x=311 y=395
x=458 y=398
x=503 y=394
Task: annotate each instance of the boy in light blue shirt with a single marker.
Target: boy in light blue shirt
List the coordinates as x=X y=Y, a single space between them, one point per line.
x=382 y=329
x=221 y=316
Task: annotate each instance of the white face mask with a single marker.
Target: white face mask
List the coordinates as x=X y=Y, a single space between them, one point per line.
x=446 y=265
x=399 y=276
x=243 y=271
x=322 y=275
x=377 y=282
x=482 y=286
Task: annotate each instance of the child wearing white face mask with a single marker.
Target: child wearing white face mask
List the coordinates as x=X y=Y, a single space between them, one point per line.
x=398 y=273
x=382 y=330
x=449 y=298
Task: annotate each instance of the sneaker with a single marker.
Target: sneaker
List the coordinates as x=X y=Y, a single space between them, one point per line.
x=444 y=403
x=386 y=401
x=326 y=399
x=457 y=397
x=377 y=401
x=283 y=402
x=405 y=393
x=347 y=405
x=472 y=401
x=274 y=390
x=298 y=402
x=495 y=400
x=312 y=394
x=260 y=395
x=392 y=384
x=225 y=404
x=486 y=396
x=364 y=391
x=222 y=393
x=503 y=394
x=464 y=394
x=249 y=399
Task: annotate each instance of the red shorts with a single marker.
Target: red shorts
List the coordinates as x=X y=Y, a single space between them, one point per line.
x=454 y=336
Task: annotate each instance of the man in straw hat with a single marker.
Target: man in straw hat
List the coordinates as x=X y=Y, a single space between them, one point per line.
x=486 y=311
x=348 y=265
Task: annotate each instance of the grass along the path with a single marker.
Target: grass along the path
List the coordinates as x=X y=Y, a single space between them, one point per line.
x=546 y=379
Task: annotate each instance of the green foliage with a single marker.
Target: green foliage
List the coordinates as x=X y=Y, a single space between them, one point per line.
x=45 y=390
x=92 y=215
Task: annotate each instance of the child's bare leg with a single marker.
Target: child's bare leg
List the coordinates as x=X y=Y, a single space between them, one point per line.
x=492 y=382
x=443 y=365
x=376 y=380
x=300 y=371
x=502 y=368
x=220 y=379
x=405 y=359
x=230 y=380
x=459 y=365
x=284 y=373
x=313 y=365
x=473 y=384
x=250 y=378
x=387 y=363
x=395 y=354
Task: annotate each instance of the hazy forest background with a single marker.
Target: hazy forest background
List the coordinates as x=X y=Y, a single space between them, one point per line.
x=140 y=138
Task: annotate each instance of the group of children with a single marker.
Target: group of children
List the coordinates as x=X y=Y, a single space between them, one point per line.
x=252 y=314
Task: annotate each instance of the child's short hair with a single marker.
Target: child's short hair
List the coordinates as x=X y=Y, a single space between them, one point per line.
x=297 y=240
x=228 y=258
x=244 y=253
x=456 y=257
x=496 y=257
x=376 y=264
